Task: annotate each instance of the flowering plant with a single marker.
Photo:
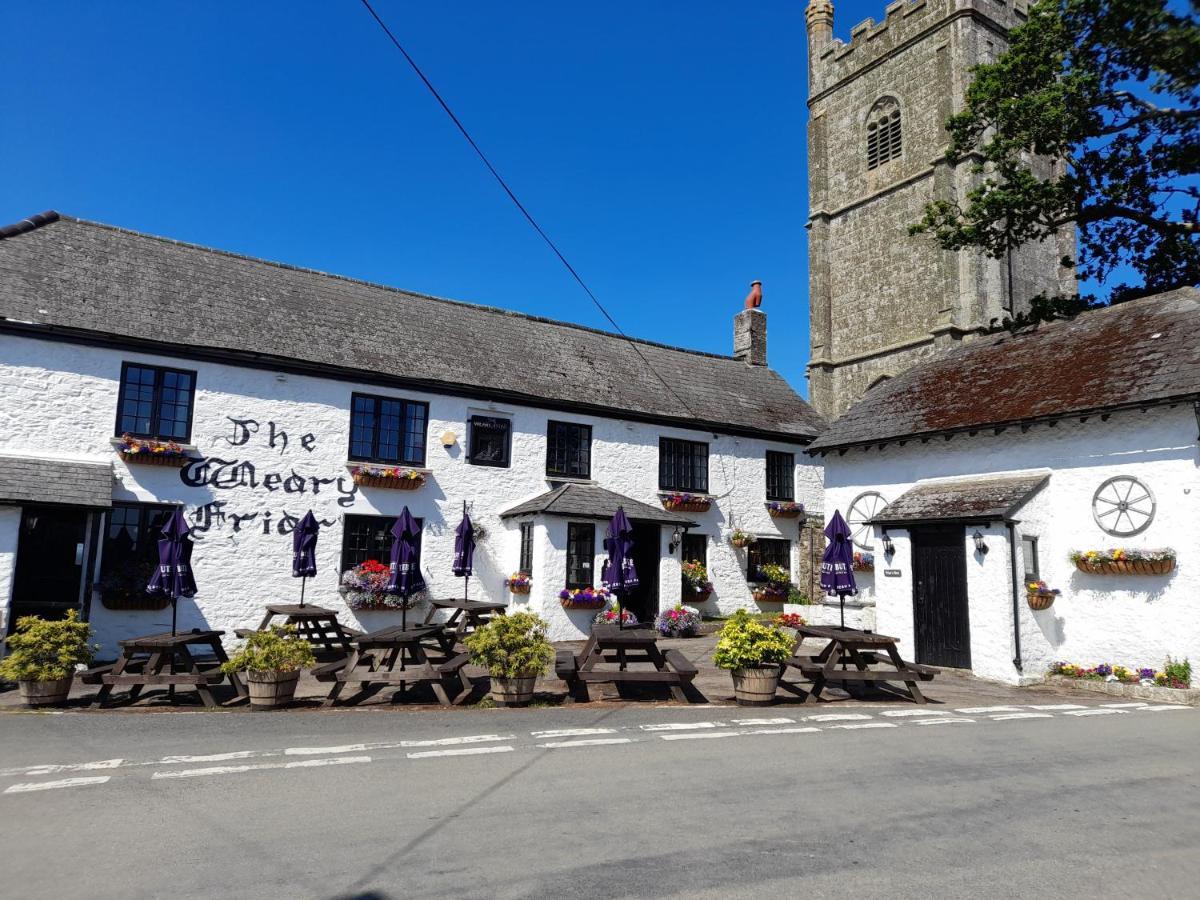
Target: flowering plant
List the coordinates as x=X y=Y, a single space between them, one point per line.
x=584 y=598
x=1040 y=587
x=609 y=616
x=784 y=508
x=774 y=574
x=681 y=621
x=131 y=446
x=741 y=538
x=519 y=582
x=1120 y=554
x=863 y=562
x=1174 y=674
x=365 y=587
x=392 y=473
x=681 y=500
x=695 y=578
x=790 y=620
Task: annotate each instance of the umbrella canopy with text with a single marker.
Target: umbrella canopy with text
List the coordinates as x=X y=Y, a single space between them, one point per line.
x=837 y=562
x=405 y=579
x=619 y=574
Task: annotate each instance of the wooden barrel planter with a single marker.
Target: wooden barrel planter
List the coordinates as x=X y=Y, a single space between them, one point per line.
x=174 y=460
x=513 y=691
x=271 y=690
x=1039 y=600
x=755 y=687
x=1126 y=566
x=46 y=693
x=391 y=484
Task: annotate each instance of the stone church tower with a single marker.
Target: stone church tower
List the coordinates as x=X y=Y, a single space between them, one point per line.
x=879 y=299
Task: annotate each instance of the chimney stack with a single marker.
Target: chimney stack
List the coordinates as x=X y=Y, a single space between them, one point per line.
x=750 y=329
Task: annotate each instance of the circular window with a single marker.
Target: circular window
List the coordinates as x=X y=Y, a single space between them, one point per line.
x=1123 y=506
x=862 y=511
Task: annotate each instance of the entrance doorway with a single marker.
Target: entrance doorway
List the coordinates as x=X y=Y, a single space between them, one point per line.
x=940 y=622
x=643 y=601
x=51 y=549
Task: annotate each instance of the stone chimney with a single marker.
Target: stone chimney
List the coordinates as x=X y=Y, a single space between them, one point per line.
x=750 y=329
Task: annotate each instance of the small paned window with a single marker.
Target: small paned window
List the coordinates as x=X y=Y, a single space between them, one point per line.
x=767 y=551
x=682 y=465
x=780 y=477
x=581 y=553
x=694 y=548
x=1029 y=552
x=130 y=552
x=155 y=402
x=883 y=139
x=526 y=564
x=491 y=440
x=568 y=450
x=387 y=430
x=370 y=537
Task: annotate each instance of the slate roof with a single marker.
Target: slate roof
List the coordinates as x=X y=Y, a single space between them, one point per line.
x=588 y=501
x=1142 y=352
x=977 y=499
x=86 y=278
x=28 y=479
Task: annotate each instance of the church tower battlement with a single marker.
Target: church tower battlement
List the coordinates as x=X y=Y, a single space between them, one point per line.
x=881 y=300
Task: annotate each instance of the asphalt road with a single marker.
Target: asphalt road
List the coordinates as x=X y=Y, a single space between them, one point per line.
x=612 y=802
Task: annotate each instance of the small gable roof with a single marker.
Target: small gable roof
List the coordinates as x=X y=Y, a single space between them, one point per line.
x=590 y=501
x=962 y=500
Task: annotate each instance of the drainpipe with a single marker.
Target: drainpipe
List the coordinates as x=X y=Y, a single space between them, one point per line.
x=1016 y=592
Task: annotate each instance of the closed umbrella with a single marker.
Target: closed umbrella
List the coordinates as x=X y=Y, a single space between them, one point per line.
x=837 y=562
x=304 y=550
x=464 y=549
x=619 y=574
x=405 y=578
x=173 y=578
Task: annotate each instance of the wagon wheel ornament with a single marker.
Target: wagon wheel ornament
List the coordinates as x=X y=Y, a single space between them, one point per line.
x=1123 y=506
x=861 y=512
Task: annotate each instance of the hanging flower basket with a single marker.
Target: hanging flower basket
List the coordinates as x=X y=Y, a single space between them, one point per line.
x=741 y=539
x=584 y=598
x=686 y=502
x=1124 y=562
x=1039 y=600
x=770 y=593
x=149 y=452
x=365 y=588
x=785 y=509
x=863 y=562
x=698 y=596
x=519 y=583
x=389 y=477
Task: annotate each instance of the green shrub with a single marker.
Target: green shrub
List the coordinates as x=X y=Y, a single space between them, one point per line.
x=45 y=650
x=795 y=595
x=746 y=643
x=1179 y=674
x=512 y=646
x=277 y=650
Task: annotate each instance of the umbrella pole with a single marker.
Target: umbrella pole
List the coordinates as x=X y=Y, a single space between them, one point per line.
x=303 y=580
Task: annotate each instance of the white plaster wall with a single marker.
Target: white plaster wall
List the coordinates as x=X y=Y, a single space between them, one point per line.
x=242 y=563
x=10 y=529
x=1128 y=620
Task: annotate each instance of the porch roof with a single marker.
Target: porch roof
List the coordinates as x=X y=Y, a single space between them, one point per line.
x=962 y=500
x=58 y=482
x=590 y=501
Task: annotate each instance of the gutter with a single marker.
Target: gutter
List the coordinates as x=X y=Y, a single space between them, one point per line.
x=1016 y=592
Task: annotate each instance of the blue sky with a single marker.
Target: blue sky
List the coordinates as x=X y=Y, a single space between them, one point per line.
x=660 y=144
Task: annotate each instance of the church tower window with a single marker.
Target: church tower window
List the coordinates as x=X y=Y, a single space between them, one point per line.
x=883 y=133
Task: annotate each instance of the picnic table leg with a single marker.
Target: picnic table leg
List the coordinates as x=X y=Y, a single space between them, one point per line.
x=336 y=690
x=902 y=666
x=118 y=669
x=191 y=667
x=262 y=626
x=234 y=679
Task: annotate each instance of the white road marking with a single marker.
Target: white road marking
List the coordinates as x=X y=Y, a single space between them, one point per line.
x=1094 y=712
x=31 y=786
x=571 y=732
x=1056 y=707
x=700 y=734
x=913 y=713
x=68 y=767
x=456 y=741
x=212 y=757
x=951 y=721
x=317 y=751
x=1124 y=705
x=586 y=742
x=868 y=725
x=261 y=767
x=983 y=710
x=681 y=726
x=779 y=721
x=799 y=729
x=462 y=751
x=1161 y=707
x=837 y=717
x=1005 y=718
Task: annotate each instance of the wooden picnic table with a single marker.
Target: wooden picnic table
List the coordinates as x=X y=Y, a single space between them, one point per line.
x=400 y=656
x=634 y=644
x=874 y=657
x=466 y=615
x=317 y=625
x=164 y=659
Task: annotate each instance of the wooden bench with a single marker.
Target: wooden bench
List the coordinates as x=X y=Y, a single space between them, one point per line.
x=328 y=671
x=94 y=674
x=681 y=664
x=624 y=646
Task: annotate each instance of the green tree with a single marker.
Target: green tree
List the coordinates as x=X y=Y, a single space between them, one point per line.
x=1108 y=90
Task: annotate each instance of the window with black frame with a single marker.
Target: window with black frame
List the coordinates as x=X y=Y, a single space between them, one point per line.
x=129 y=554
x=491 y=441
x=682 y=465
x=694 y=548
x=780 y=475
x=155 y=402
x=1029 y=552
x=581 y=554
x=767 y=552
x=526 y=562
x=370 y=537
x=388 y=430
x=568 y=450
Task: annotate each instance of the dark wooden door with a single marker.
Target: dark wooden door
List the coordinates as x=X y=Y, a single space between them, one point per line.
x=940 y=623
x=50 y=560
x=643 y=600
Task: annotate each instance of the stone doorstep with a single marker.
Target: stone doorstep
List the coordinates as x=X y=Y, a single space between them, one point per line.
x=1189 y=696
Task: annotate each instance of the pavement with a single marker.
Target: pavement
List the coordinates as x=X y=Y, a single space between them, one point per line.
x=1038 y=798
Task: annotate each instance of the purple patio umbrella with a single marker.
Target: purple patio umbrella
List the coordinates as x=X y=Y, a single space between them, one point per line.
x=173 y=578
x=837 y=562
x=304 y=550
x=464 y=549
x=619 y=574
x=405 y=567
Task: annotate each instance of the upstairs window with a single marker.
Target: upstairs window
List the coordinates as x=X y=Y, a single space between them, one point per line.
x=581 y=554
x=155 y=402
x=387 y=430
x=682 y=465
x=491 y=440
x=883 y=133
x=780 y=476
x=568 y=450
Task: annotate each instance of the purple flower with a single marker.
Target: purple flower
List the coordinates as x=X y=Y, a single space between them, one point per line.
x=1103 y=669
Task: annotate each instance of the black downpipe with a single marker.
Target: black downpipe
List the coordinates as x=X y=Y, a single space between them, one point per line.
x=1016 y=587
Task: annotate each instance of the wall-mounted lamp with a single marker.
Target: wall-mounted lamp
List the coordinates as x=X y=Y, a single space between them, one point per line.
x=449 y=439
x=676 y=540
x=889 y=549
x=980 y=546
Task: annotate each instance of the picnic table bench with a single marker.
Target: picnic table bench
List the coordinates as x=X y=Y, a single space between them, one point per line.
x=466 y=615
x=874 y=657
x=374 y=658
x=315 y=624
x=157 y=659
x=635 y=644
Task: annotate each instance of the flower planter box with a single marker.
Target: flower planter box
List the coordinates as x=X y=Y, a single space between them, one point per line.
x=389 y=483
x=519 y=588
x=688 y=506
x=1039 y=600
x=770 y=595
x=785 y=512
x=1127 y=567
x=150 y=458
x=598 y=603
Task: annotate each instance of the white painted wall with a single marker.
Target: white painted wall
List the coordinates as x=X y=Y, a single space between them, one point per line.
x=59 y=399
x=1127 y=620
x=10 y=529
